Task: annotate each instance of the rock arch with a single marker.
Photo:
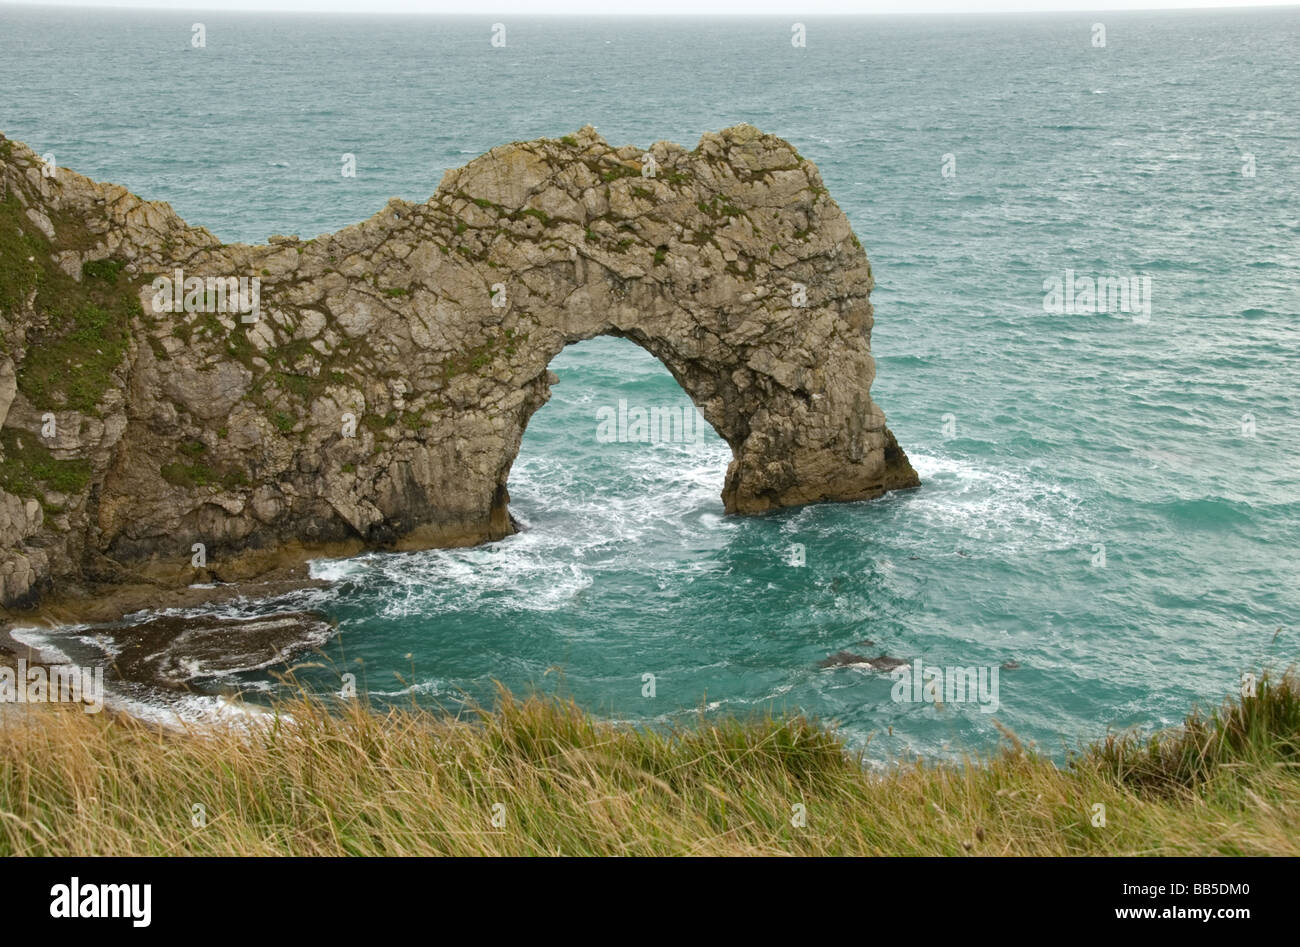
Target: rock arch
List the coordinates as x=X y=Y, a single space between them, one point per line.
x=428 y=328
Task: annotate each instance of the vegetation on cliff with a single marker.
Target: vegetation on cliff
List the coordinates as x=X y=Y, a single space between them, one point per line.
x=341 y=779
x=80 y=329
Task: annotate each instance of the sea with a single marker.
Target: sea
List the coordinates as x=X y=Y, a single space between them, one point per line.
x=1109 y=516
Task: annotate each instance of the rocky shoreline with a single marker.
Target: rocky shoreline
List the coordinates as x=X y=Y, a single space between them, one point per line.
x=109 y=606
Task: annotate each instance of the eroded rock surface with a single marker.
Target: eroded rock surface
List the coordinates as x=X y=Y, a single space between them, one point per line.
x=380 y=397
x=174 y=651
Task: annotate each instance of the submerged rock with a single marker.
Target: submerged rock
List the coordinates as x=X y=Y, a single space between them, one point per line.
x=172 y=651
x=848 y=659
x=885 y=663
x=842 y=659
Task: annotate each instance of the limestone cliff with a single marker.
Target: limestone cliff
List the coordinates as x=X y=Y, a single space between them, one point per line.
x=375 y=391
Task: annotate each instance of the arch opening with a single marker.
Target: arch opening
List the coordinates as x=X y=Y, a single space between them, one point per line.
x=619 y=446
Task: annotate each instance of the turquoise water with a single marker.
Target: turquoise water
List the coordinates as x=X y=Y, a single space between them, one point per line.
x=1064 y=431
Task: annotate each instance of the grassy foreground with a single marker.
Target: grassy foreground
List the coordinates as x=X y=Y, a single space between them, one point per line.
x=342 y=779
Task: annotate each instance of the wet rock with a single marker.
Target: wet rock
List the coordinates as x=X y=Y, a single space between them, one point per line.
x=850 y=659
x=842 y=659
x=172 y=651
x=885 y=663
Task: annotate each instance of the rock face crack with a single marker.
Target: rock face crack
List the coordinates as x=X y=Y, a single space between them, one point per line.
x=380 y=395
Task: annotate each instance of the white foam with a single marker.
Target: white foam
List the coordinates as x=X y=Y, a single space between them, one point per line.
x=429 y=688
x=334 y=570
x=1009 y=506
x=41 y=641
x=194 y=710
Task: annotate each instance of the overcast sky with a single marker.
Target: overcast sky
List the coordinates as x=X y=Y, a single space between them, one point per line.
x=792 y=8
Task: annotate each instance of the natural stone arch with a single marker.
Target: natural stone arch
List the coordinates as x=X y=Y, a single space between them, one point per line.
x=787 y=387
x=433 y=325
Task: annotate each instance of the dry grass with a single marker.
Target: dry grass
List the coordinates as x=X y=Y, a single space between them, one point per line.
x=342 y=779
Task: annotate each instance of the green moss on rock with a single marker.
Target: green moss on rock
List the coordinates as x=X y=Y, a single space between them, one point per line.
x=81 y=329
x=29 y=469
